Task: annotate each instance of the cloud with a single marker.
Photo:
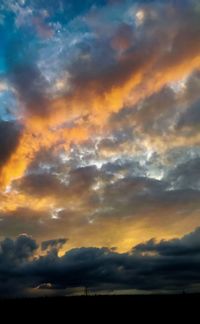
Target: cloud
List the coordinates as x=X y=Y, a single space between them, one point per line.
x=187 y=245
x=53 y=244
x=161 y=266
x=190 y=120
x=25 y=77
x=108 y=148
x=107 y=206
x=186 y=175
x=104 y=76
x=23 y=220
x=137 y=73
x=30 y=85
x=78 y=181
x=10 y=136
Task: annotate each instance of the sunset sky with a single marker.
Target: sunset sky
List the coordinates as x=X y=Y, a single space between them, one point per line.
x=99 y=146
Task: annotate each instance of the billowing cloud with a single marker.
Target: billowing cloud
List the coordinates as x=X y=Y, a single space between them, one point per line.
x=160 y=266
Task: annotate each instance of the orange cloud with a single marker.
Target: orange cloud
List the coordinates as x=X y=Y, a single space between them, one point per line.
x=136 y=74
x=37 y=135
x=40 y=133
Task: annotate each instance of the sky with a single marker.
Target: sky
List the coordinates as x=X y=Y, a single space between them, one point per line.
x=99 y=146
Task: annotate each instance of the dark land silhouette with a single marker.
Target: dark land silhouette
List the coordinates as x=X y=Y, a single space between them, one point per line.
x=161 y=307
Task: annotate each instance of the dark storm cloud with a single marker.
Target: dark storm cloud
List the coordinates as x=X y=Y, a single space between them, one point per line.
x=12 y=255
x=17 y=251
x=57 y=244
x=9 y=139
x=187 y=246
x=165 y=265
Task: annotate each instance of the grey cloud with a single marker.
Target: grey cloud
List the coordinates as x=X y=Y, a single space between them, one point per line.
x=25 y=76
x=45 y=183
x=57 y=244
x=124 y=167
x=186 y=246
x=174 y=265
x=23 y=220
x=41 y=184
x=191 y=118
x=31 y=87
x=19 y=250
x=185 y=175
x=119 y=189
x=9 y=139
x=164 y=113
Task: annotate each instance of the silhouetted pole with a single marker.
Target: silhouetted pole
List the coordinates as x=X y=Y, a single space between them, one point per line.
x=86 y=291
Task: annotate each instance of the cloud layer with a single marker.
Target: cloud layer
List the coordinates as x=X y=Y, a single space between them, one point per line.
x=165 y=266
x=99 y=140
